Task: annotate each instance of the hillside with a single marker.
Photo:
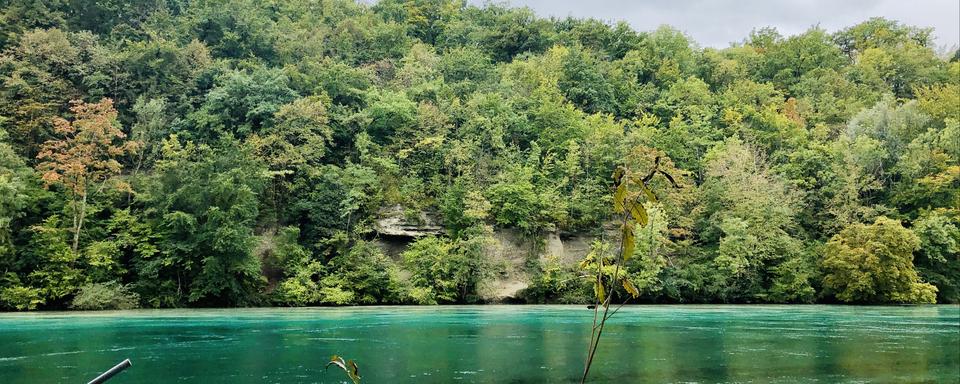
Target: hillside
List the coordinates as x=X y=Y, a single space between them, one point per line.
x=171 y=153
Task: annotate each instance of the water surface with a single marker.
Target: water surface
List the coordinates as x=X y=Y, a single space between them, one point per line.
x=487 y=344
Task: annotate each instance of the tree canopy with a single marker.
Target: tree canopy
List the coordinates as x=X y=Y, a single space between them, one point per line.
x=237 y=152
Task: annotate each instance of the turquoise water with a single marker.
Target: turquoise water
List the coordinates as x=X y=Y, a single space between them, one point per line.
x=487 y=344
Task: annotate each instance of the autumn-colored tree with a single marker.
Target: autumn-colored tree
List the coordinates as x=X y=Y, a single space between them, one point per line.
x=84 y=159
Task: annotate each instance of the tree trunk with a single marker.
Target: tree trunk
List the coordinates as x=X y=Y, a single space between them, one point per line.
x=78 y=219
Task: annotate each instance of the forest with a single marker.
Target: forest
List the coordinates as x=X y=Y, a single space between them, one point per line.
x=217 y=153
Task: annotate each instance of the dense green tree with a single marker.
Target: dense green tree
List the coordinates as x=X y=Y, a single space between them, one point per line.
x=362 y=275
x=584 y=83
x=502 y=32
x=204 y=203
x=298 y=140
x=58 y=270
x=752 y=214
x=157 y=69
x=16 y=182
x=688 y=109
x=389 y=114
x=938 y=259
x=292 y=265
x=466 y=68
x=242 y=103
x=231 y=28
x=19 y=190
x=152 y=125
x=785 y=61
x=426 y=19
x=879 y=32
x=39 y=77
x=450 y=271
x=18 y=16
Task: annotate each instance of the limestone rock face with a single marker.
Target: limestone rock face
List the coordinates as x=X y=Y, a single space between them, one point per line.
x=569 y=248
x=512 y=251
x=508 y=250
x=394 y=221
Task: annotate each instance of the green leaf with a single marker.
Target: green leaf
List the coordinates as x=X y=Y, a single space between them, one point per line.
x=649 y=193
x=618 y=176
x=585 y=262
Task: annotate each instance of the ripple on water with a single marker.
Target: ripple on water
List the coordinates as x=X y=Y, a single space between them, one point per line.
x=670 y=344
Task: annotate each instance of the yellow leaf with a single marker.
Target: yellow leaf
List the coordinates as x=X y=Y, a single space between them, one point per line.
x=338 y=361
x=619 y=197
x=601 y=295
x=631 y=289
x=585 y=262
x=354 y=372
x=629 y=242
x=639 y=213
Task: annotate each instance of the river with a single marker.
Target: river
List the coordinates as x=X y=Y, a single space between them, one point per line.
x=488 y=344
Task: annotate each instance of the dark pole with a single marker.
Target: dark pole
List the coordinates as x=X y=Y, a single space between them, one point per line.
x=111 y=373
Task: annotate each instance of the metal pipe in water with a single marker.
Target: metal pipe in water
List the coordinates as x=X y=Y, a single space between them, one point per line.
x=111 y=372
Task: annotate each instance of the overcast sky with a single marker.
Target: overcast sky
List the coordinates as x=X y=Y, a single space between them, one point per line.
x=717 y=23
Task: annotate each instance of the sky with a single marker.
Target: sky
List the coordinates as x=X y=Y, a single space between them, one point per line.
x=717 y=23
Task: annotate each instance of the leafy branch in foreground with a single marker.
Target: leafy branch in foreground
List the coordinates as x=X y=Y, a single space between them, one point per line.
x=632 y=190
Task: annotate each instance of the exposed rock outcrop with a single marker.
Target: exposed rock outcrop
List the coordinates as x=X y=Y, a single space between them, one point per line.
x=513 y=251
x=395 y=221
x=509 y=251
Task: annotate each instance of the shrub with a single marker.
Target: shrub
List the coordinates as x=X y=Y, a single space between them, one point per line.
x=20 y=298
x=336 y=296
x=300 y=289
x=110 y=295
x=422 y=296
x=364 y=275
x=874 y=264
x=552 y=282
x=452 y=270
